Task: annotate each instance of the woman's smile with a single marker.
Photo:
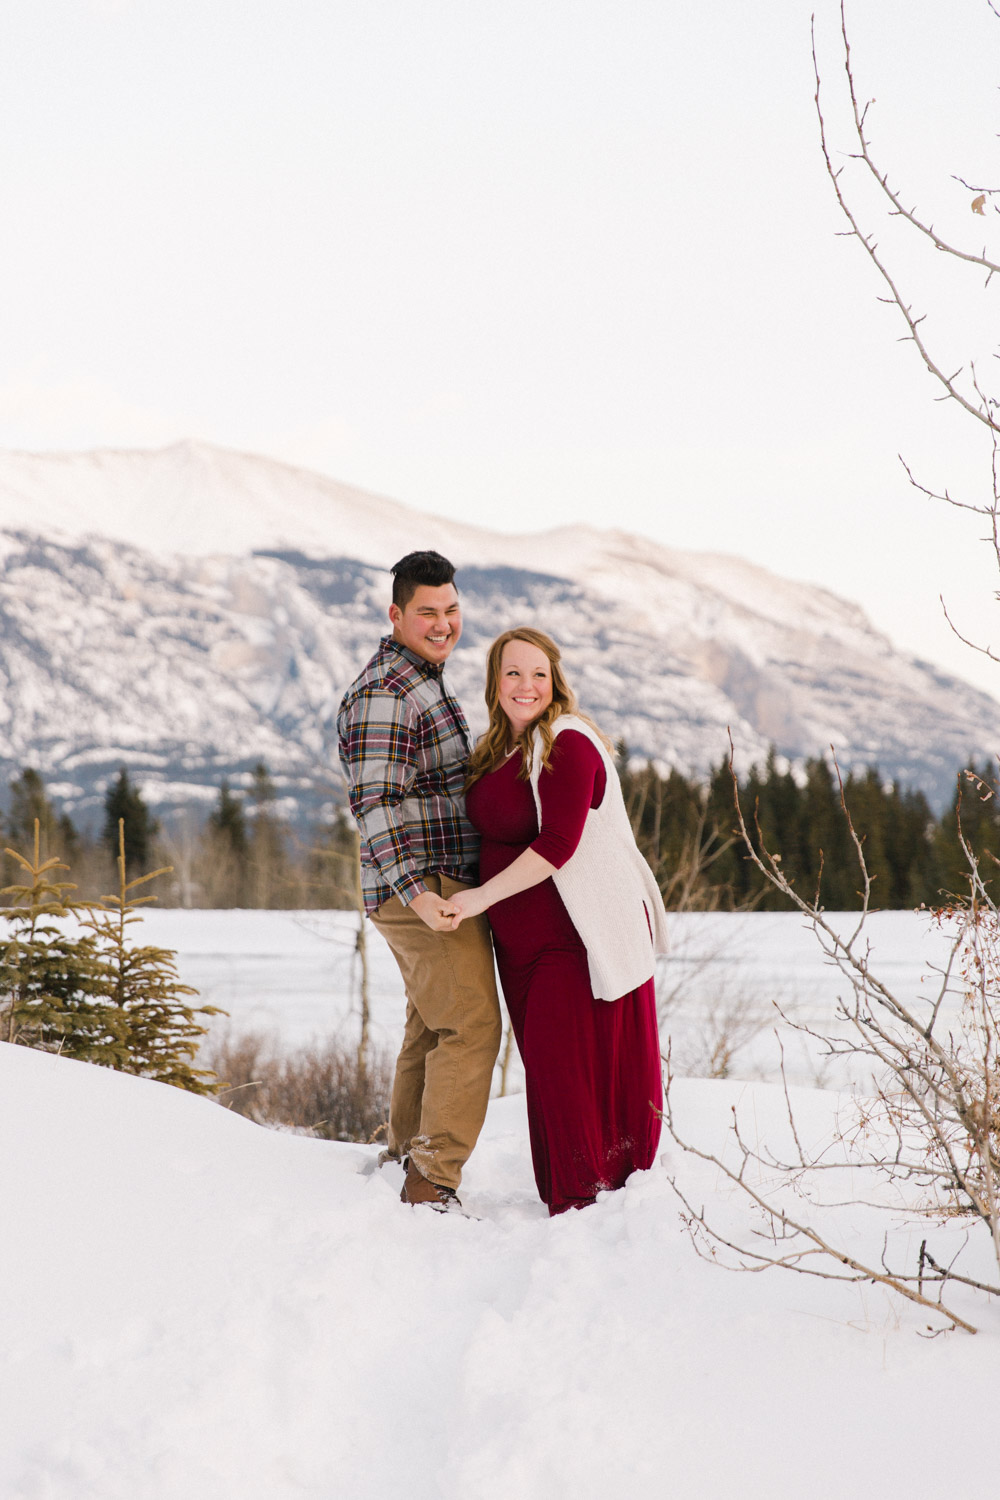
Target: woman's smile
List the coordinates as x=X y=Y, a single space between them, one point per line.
x=525 y=686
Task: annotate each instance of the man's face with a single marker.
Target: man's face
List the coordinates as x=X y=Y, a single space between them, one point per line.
x=431 y=623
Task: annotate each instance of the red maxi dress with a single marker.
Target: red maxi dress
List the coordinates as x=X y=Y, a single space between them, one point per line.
x=592 y=1067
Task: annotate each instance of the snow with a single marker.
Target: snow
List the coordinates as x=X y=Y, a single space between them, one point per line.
x=197 y=1307
x=198 y=500
x=295 y=975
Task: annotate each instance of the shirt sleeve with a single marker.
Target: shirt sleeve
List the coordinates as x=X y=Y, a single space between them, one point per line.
x=574 y=783
x=378 y=757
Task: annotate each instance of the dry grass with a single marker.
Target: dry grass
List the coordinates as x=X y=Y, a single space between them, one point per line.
x=319 y=1090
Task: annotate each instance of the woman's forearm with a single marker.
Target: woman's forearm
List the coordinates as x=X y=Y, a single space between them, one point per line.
x=526 y=870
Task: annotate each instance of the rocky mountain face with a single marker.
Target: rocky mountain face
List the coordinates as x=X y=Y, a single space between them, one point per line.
x=189 y=612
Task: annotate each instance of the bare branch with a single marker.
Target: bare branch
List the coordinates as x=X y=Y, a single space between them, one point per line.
x=881 y=178
x=983 y=650
x=947 y=382
x=802 y=1241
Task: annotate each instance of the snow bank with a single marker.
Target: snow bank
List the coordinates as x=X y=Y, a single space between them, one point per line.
x=196 y=1307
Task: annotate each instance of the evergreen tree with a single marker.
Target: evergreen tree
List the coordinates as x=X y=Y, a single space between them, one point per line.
x=123 y=803
x=223 y=874
x=50 y=987
x=268 y=851
x=228 y=822
x=140 y=984
x=868 y=804
x=683 y=830
x=829 y=857
x=783 y=814
x=773 y=806
x=67 y=839
x=731 y=868
x=30 y=805
x=975 y=810
x=915 y=874
x=912 y=858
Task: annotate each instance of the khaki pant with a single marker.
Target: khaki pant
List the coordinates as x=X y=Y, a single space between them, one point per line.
x=452 y=1037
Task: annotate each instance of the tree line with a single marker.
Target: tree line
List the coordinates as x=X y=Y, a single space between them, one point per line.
x=915 y=857
x=244 y=853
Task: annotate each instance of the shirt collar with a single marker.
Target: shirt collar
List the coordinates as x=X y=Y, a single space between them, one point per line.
x=428 y=668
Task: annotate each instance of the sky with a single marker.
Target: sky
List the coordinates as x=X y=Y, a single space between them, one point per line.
x=521 y=264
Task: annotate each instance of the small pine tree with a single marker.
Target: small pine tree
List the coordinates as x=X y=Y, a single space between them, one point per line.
x=159 y=1028
x=50 y=989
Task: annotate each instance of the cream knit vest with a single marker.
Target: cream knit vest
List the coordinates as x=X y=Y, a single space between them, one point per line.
x=606 y=885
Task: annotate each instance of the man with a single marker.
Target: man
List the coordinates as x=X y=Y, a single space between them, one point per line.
x=404 y=744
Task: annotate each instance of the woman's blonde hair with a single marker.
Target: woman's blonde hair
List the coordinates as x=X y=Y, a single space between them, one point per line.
x=492 y=749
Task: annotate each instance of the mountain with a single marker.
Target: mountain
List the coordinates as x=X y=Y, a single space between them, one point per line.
x=190 y=611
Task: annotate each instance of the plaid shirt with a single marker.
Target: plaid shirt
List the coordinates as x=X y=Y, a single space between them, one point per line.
x=404 y=744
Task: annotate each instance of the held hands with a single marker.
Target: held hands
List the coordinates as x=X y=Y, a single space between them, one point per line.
x=437 y=911
x=467 y=904
x=446 y=913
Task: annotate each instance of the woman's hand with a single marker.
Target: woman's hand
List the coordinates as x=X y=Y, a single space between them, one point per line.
x=528 y=869
x=470 y=903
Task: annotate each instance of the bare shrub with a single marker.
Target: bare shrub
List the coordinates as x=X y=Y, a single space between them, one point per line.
x=708 y=1010
x=928 y=1140
x=929 y=1133
x=321 y=1090
x=730 y=1023
x=709 y=1020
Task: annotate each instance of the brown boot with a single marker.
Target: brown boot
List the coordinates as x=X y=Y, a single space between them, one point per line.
x=418 y=1190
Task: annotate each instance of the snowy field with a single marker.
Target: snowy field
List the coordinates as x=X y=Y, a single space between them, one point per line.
x=200 y=1309
x=295 y=975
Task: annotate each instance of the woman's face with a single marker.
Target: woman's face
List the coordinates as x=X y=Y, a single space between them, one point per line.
x=525 y=684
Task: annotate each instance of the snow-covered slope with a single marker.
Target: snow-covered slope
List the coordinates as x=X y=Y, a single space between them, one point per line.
x=195 y=1307
x=190 y=611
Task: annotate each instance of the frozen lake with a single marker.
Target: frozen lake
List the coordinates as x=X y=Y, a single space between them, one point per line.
x=295 y=975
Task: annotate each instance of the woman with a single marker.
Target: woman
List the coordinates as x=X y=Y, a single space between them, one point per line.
x=575 y=913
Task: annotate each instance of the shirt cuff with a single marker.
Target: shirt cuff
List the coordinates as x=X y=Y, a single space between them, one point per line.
x=408 y=886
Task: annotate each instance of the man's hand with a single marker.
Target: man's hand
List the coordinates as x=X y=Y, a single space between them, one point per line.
x=437 y=911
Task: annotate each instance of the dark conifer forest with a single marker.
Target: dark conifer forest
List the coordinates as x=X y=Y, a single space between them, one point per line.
x=243 y=852
x=688 y=832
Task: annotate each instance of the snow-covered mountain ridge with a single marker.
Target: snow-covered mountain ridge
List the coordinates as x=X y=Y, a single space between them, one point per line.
x=189 y=611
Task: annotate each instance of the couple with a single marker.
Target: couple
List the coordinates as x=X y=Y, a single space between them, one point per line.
x=535 y=815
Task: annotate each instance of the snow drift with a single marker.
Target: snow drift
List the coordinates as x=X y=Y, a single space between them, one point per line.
x=196 y=1307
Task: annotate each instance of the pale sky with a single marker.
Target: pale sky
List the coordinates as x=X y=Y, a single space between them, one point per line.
x=519 y=263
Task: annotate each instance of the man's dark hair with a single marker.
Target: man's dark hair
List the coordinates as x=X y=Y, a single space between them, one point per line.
x=416 y=568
